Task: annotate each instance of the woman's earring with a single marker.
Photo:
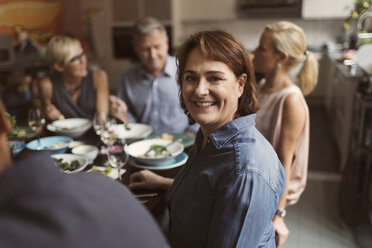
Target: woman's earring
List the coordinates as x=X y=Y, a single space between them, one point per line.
x=278 y=65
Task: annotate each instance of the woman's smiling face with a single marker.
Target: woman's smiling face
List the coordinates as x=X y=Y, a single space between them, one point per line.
x=210 y=91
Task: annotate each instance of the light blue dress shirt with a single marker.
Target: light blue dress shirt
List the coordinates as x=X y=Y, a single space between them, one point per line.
x=154 y=101
x=227 y=193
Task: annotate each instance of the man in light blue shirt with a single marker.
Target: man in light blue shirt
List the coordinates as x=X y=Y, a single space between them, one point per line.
x=149 y=90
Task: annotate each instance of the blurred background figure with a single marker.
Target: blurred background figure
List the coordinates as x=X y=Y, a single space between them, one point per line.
x=283 y=117
x=23 y=44
x=72 y=90
x=41 y=207
x=149 y=90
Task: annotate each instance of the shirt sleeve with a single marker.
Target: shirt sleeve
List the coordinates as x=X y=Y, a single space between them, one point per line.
x=243 y=213
x=122 y=94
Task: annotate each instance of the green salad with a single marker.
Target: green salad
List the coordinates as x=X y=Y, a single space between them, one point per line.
x=156 y=151
x=67 y=166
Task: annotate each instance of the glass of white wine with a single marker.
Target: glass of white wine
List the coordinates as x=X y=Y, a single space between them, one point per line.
x=108 y=136
x=117 y=156
x=98 y=121
x=36 y=122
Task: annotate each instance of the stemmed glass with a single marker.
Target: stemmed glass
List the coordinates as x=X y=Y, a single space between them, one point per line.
x=101 y=124
x=107 y=135
x=117 y=156
x=98 y=121
x=36 y=122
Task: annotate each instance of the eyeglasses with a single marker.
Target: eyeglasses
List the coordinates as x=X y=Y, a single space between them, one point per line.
x=77 y=57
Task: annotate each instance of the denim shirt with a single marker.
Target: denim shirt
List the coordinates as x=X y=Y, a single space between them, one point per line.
x=227 y=193
x=154 y=101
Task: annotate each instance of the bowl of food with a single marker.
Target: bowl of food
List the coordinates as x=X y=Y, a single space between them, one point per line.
x=132 y=132
x=54 y=144
x=70 y=163
x=16 y=147
x=72 y=127
x=155 y=151
x=88 y=151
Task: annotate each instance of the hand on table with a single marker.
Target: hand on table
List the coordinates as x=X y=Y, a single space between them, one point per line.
x=146 y=179
x=118 y=109
x=281 y=230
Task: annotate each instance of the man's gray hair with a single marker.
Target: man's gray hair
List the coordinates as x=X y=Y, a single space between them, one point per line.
x=146 y=26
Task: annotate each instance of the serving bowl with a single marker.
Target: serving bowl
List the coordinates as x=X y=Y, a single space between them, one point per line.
x=16 y=147
x=70 y=163
x=141 y=151
x=88 y=151
x=54 y=144
x=72 y=127
x=132 y=132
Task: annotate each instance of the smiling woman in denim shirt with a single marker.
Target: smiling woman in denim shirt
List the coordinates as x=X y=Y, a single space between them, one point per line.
x=227 y=193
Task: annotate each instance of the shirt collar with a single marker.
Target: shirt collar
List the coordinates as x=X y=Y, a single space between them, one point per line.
x=169 y=67
x=225 y=133
x=167 y=71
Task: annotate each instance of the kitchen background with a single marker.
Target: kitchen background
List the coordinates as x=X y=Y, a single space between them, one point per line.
x=340 y=106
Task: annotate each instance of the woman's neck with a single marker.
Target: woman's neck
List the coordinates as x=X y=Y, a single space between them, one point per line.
x=276 y=81
x=72 y=84
x=70 y=81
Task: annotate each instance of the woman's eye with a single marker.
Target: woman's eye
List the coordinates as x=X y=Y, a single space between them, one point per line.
x=189 y=78
x=215 y=79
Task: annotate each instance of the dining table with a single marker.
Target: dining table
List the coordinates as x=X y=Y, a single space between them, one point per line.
x=153 y=199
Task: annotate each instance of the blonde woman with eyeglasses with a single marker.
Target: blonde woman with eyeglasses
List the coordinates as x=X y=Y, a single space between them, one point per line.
x=72 y=90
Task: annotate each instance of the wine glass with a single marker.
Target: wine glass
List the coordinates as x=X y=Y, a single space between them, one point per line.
x=36 y=122
x=107 y=135
x=98 y=121
x=117 y=155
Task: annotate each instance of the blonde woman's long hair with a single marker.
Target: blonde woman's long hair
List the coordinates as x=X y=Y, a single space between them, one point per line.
x=290 y=39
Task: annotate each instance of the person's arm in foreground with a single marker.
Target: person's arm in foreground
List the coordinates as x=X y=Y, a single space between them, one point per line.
x=293 y=123
x=242 y=212
x=46 y=92
x=102 y=91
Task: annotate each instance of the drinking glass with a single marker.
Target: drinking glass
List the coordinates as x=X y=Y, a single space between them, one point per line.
x=107 y=135
x=101 y=125
x=36 y=122
x=117 y=156
x=98 y=121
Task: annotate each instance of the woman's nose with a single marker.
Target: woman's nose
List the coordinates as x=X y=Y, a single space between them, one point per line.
x=202 y=87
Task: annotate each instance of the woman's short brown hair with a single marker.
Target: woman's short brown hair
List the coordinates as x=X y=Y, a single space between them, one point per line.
x=219 y=45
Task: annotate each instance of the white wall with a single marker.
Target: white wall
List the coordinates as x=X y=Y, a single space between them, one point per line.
x=317 y=31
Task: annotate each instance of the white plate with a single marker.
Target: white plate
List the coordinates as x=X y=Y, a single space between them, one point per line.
x=179 y=160
x=137 y=130
x=83 y=161
x=113 y=174
x=72 y=127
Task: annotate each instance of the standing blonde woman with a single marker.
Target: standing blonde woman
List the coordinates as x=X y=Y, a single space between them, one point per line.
x=283 y=117
x=72 y=90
